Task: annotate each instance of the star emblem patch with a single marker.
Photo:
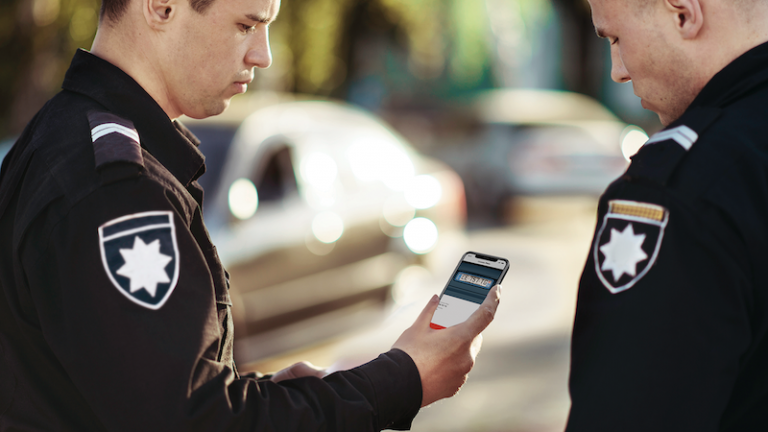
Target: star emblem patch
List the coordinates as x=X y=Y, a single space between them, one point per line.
x=628 y=243
x=140 y=256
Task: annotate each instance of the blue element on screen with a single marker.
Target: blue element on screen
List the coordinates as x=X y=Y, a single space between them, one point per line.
x=471 y=282
x=474 y=280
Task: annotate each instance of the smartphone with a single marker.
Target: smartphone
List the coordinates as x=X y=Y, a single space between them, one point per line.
x=473 y=278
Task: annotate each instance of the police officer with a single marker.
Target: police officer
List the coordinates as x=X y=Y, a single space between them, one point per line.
x=671 y=322
x=114 y=307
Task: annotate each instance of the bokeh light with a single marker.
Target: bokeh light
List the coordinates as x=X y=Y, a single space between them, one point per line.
x=632 y=139
x=380 y=160
x=243 y=199
x=397 y=211
x=423 y=191
x=319 y=170
x=420 y=235
x=327 y=227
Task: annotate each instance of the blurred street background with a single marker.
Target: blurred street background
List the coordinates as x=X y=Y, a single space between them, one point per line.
x=387 y=138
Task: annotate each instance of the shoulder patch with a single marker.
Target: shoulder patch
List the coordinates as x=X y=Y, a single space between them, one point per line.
x=141 y=257
x=628 y=243
x=114 y=139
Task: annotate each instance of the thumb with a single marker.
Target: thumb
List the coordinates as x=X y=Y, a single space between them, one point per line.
x=479 y=320
x=425 y=317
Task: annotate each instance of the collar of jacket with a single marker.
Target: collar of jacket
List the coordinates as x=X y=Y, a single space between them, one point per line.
x=741 y=77
x=168 y=141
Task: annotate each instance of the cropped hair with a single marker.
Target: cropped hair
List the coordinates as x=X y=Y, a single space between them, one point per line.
x=114 y=9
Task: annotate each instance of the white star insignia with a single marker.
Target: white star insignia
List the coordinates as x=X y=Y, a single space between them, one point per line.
x=144 y=266
x=623 y=252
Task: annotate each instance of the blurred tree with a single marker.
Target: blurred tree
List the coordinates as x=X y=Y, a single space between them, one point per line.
x=526 y=35
x=37 y=41
x=440 y=38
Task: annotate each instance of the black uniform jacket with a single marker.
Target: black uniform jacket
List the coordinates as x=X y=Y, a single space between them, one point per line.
x=114 y=308
x=671 y=328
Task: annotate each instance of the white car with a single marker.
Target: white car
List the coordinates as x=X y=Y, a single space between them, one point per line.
x=315 y=207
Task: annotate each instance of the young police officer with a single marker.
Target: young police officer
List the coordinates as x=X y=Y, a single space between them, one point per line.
x=114 y=310
x=671 y=329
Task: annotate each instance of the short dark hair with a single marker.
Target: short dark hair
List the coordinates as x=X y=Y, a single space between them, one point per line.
x=114 y=9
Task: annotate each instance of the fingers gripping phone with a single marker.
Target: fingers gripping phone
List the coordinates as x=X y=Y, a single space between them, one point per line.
x=470 y=283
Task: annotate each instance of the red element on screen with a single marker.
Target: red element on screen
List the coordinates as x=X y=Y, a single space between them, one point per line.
x=436 y=326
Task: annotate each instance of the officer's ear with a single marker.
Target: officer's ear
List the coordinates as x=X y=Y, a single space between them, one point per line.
x=687 y=16
x=159 y=12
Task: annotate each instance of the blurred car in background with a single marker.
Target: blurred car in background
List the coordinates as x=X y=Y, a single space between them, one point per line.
x=540 y=142
x=315 y=207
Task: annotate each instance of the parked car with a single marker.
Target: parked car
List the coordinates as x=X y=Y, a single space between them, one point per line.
x=541 y=142
x=315 y=207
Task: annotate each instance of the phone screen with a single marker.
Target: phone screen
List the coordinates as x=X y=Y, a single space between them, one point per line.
x=473 y=278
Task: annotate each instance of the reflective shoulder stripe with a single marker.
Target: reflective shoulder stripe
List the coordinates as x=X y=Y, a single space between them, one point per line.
x=658 y=159
x=115 y=139
x=683 y=135
x=108 y=128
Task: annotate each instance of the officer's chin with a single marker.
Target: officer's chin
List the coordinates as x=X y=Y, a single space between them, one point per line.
x=669 y=116
x=209 y=110
x=666 y=120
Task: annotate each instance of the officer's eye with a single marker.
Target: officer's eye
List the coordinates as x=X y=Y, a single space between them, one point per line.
x=246 y=28
x=614 y=41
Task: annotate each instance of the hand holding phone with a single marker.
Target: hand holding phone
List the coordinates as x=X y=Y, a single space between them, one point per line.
x=470 y=283
x=445 y=357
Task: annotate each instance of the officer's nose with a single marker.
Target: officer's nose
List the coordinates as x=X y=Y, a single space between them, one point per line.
x=618 y=71
x=259 y=53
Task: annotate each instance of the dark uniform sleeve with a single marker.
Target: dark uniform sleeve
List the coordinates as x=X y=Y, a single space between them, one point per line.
x=663 y=353
x=145 y=369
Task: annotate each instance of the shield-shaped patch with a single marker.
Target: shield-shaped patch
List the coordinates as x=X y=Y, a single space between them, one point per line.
x=141 y=257
x=628 y=243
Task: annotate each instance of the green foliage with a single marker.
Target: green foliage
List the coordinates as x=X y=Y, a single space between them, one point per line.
x=470 y=43
x=316 y=40
x=441 y=36
x=422 y=22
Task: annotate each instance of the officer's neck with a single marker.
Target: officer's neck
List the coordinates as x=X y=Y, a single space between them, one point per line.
x=128 y=48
